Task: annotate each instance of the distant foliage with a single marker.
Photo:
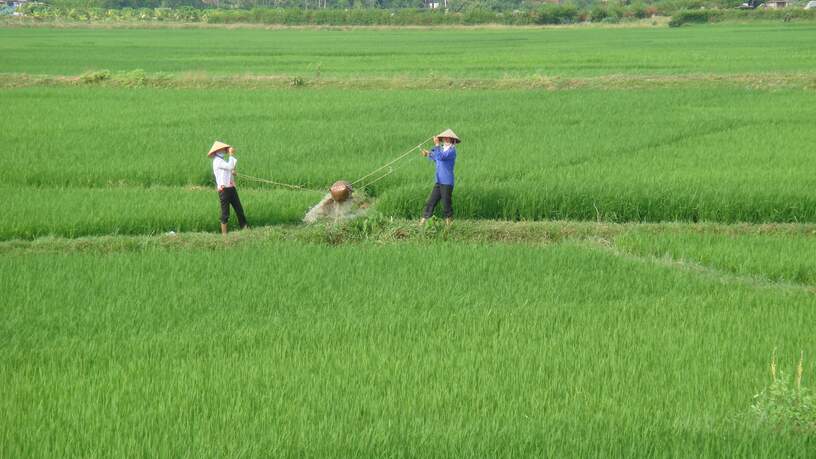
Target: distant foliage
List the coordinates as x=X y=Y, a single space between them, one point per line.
x=280 y=16
x=547 y=14
x=336 y=17
x=456 y=6
x=682 y=12
x=705 y=16
x=695 y=17
x=557 y=14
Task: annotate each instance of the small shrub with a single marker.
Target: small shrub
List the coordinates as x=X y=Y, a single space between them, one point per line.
x=695 y=17
x=636 y=10
x=557 y=14
x=479 y=16
x=598 y=13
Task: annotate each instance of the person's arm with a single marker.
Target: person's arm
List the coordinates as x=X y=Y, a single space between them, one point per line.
x=219 y=163
x=433 y=155
x=233 y=161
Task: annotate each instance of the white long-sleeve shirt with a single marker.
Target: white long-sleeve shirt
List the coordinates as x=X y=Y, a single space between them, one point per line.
x=223 y=172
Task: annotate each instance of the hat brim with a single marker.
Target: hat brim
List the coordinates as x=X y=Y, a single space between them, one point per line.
x=216 y=147
x=449 y=134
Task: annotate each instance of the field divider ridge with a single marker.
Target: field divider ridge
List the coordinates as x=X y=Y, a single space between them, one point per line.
x=197 y=80
x=725 y=277
x=395 y=231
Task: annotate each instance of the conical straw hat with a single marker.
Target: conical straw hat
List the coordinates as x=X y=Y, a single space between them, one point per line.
x=451 y=135
x=217 y=146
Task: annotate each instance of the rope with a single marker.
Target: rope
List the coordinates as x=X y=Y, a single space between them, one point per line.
x=272 y=182
x=363 y=187
x=389 y=163
x=375 y=171
x=391 y=170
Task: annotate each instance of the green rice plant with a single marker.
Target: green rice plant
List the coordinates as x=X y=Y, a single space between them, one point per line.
x=378 y=337
x=710 y=157
x=785 y=258
x=419 y=348
x=75 y=212
x=469 y=53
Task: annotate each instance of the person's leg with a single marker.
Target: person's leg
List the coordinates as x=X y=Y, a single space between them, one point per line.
x=433 y=199
x=223 y=197
x=239 y=209
x=446 y=191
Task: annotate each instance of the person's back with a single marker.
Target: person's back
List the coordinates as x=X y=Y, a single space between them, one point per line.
x=445 y=158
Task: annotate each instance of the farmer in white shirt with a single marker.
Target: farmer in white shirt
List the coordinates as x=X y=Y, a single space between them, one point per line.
x=224 y=162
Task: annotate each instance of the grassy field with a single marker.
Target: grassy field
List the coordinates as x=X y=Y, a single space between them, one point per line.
x=688 y=154
x=76 y=212
x=774 y=257
x=468 y=53
x=651 y=243
x=397 y=349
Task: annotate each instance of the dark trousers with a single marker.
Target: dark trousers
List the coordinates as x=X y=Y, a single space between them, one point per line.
x=442 y=192
x=229 y=196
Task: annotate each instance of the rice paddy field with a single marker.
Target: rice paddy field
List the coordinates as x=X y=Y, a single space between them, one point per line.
x=459 y=52
x=634 y=242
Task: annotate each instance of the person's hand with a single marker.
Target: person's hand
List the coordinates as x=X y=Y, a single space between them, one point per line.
x=425 y=153
x=436 y=141
x=231 y=151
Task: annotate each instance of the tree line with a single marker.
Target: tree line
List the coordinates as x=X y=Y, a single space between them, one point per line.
x=368 y=12
x=452 y=5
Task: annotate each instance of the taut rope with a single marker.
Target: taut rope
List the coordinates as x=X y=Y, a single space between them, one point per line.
x=388 y=165
x=272 y=182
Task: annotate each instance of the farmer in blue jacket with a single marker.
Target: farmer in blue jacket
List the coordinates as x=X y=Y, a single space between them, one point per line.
x=444 y=155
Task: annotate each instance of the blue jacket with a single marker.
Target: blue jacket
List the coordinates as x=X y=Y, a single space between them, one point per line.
x=445 y=160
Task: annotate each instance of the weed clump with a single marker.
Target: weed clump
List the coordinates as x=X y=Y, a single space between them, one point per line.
x=95 y=76
x=785 y=406
x=136 y=77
